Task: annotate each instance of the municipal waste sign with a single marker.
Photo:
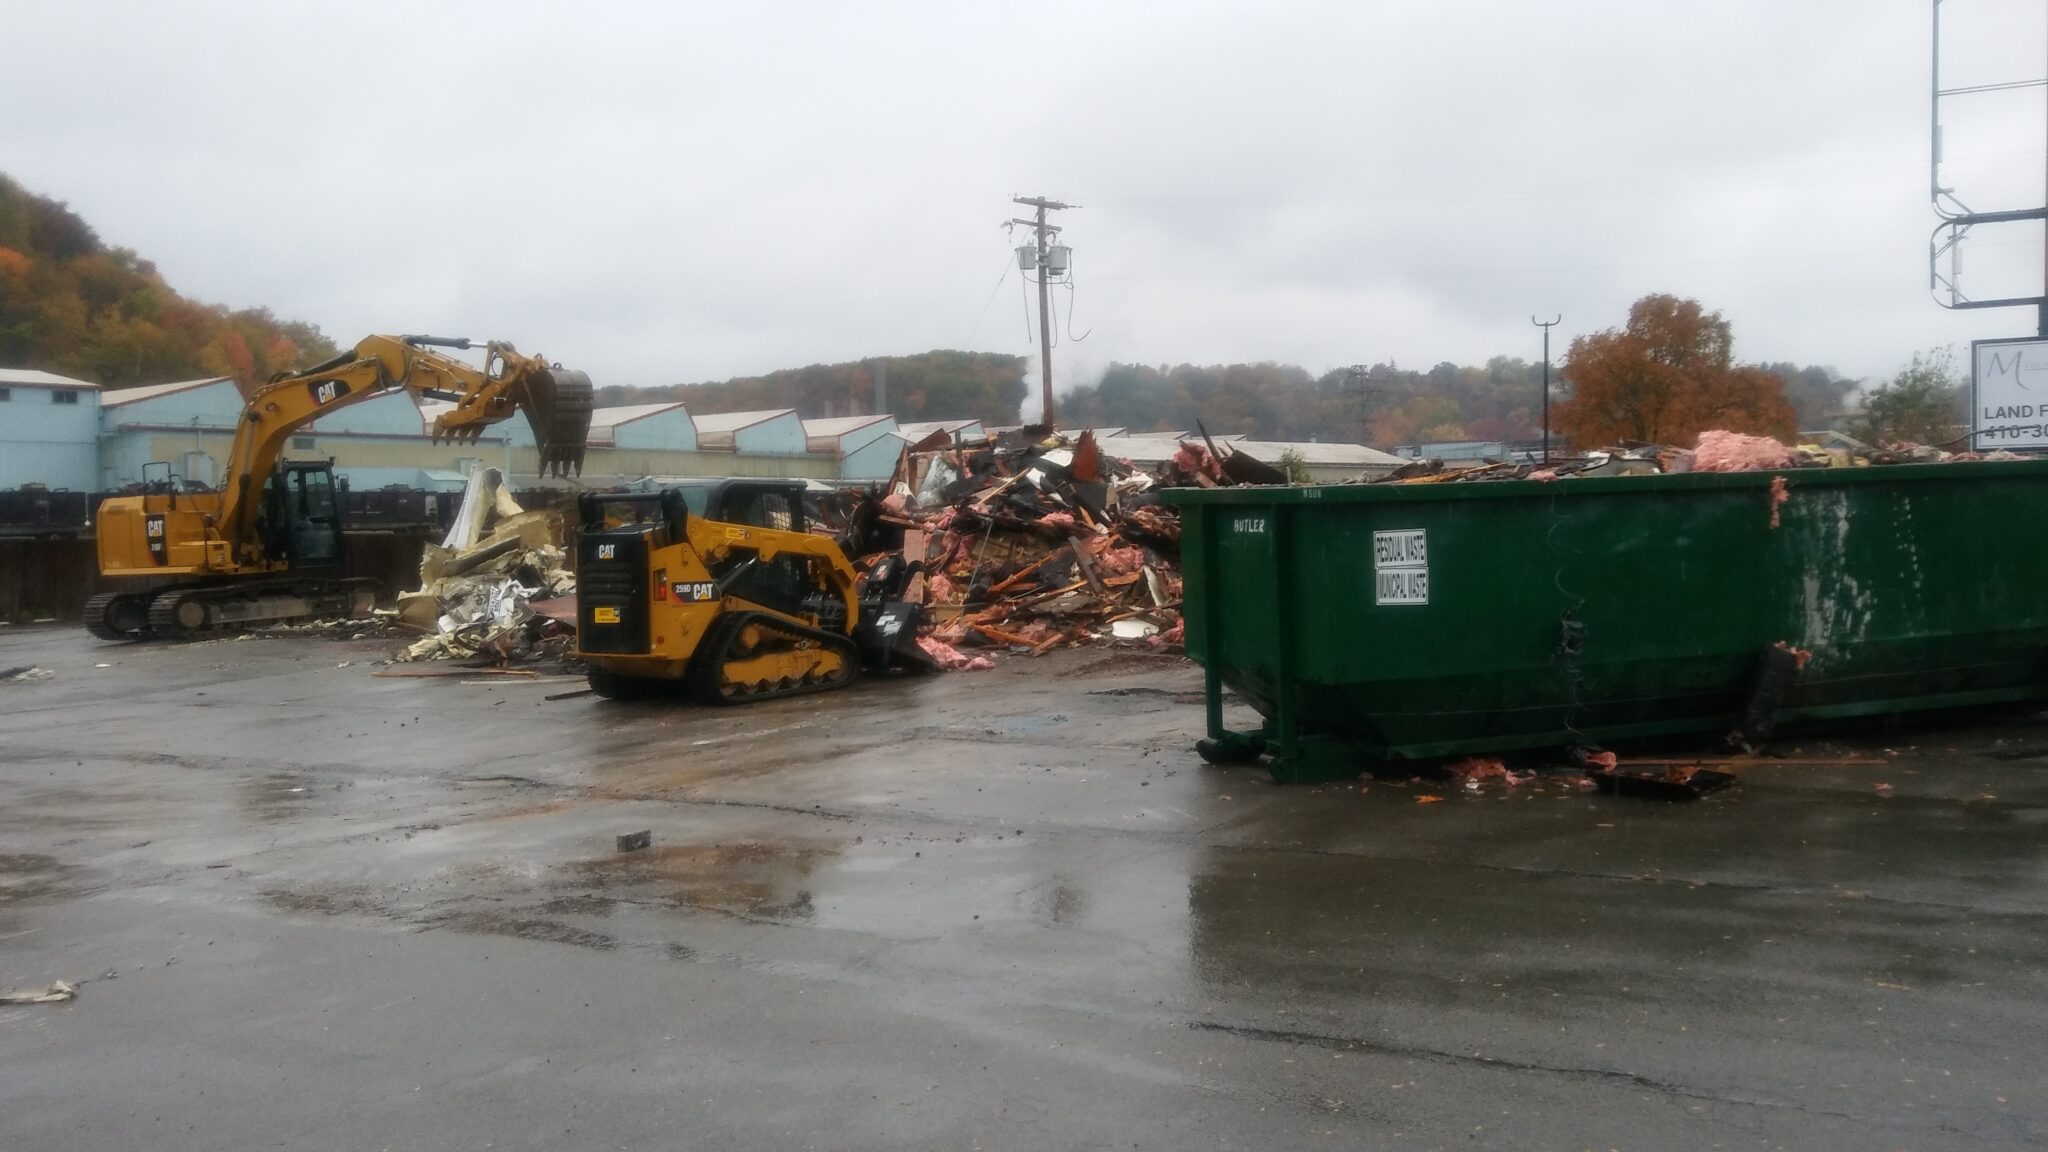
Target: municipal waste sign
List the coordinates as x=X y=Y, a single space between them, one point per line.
x=2009 y=394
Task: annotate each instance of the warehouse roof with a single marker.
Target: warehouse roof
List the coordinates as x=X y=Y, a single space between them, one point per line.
x=1316 y=452
x=35 y=378
x=918 y=430
x=118 y=397
x=627 y=413
x=841 y=425
x=734 y=421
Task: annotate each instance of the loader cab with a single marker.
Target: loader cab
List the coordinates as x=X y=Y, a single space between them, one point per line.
x=619 y=533
x=301 y=520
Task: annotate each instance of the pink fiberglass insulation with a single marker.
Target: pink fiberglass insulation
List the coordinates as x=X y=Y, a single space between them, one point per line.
x=1734 y=452
x=1778 y=497
x=1194 y=459
x=951 y=657
x=1118 y=561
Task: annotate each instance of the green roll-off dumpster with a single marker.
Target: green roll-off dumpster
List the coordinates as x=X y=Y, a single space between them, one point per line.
x=1404 y=621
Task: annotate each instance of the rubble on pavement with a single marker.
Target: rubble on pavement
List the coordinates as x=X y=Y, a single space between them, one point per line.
x=479 y=586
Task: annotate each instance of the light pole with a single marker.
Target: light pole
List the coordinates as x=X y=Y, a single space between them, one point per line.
x=1546 y=326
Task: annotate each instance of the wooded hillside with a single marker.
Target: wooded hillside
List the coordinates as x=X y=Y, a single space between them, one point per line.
x=72 y=305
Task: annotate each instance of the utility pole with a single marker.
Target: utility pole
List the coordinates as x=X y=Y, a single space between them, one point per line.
x=1546 y=326
x=1039 y=259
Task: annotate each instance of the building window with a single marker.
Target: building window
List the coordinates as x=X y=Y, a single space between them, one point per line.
x=6 y=394
x=61 y=397
x=304 y=443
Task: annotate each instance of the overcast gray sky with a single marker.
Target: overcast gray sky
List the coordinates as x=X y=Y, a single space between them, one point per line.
x=663 y=192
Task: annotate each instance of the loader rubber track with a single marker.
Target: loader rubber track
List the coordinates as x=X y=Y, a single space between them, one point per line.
x=725 y=646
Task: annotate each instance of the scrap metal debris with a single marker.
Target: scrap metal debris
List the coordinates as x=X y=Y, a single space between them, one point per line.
x=478 y=588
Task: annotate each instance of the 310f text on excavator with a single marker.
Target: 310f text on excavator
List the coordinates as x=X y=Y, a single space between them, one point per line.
x=267 y=546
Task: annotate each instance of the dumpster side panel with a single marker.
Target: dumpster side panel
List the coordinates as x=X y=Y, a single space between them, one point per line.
x=1600 y=609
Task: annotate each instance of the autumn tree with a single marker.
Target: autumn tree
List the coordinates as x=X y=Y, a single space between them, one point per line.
x=1665 y=378
x=72 y=305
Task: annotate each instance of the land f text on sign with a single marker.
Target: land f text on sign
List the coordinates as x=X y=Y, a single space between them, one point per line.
x=2009 y=394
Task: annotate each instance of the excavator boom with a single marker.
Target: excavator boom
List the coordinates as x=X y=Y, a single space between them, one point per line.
x=247 y=551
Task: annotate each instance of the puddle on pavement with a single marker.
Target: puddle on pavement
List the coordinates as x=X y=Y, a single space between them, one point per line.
x=528 y=928
x=278 y=796
x=1124 y=663
x=747 y=878
x=26 y=876
x=327 y=903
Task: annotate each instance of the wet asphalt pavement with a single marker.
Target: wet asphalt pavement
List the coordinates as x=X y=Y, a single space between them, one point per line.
x=309 y=907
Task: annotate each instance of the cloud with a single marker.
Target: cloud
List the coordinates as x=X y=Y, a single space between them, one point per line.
x=685 y=192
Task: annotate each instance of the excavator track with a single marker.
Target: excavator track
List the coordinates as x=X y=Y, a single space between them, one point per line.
x=164 y=621
x=750 y=656
x=192 y=612
x=118 y=616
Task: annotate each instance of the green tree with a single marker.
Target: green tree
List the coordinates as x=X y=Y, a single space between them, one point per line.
x=1926 y=403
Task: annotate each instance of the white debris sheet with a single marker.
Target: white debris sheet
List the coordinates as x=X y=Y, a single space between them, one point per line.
x=477 y=588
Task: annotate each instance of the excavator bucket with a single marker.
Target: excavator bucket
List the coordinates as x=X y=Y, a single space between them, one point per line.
x=558 y=403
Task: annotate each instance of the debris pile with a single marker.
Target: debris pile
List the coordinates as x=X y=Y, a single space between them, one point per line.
x=1033 y=542
x=484 y=590
x=1714 y=451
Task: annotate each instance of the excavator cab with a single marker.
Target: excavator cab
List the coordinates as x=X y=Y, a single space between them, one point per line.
x=301 y=519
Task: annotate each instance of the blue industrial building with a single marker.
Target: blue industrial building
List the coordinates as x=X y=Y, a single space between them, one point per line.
x=69 y=434
x=771 y=432
x=49 y=430
x=867 y=447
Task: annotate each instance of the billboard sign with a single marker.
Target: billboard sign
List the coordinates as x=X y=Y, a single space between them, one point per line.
x=2009 y=394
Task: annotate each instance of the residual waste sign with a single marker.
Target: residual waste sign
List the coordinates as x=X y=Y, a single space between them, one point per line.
x=1400 y=567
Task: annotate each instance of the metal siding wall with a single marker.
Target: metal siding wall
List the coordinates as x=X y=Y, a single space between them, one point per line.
x=392 y=414
x=366 y=479
x=603 y=466
x=216 y=405
x=664 y=431
x=862 y=437
x=875 y=460
x=782 y=436
x=47 y=443
x=373 y=463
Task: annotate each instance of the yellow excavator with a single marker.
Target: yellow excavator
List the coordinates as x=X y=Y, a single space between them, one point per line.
x=267 y=546
x=717 y=586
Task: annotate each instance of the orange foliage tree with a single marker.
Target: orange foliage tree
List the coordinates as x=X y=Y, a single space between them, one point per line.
x=1665 y=378
x=72 y=305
